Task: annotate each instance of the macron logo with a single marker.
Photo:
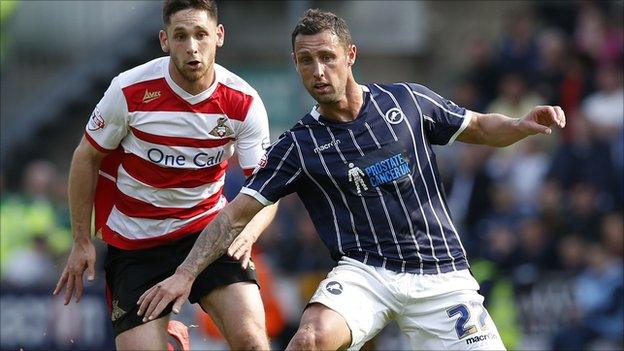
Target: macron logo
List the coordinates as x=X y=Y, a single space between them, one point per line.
x=326 y=146
x=150 y=96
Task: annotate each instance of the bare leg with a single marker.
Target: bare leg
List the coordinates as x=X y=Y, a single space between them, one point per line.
x=238 y=312
x=148 y=336
x=321 y=328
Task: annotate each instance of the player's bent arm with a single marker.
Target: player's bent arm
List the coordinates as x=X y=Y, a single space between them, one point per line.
x=241 y=247
x=498 y=130
x=261 y=221
x=220 y=233
x=83 y=175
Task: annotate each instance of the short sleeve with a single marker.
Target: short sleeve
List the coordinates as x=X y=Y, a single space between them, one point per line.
x=443 y=120
x=108 y=123
x=277 y=174
x=253 y=136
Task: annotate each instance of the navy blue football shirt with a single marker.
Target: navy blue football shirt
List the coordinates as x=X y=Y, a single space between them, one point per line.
x=372 y=186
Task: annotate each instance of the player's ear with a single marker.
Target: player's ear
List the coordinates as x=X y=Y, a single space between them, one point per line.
x=351 y=55
x=164 y=41
x=220 y=35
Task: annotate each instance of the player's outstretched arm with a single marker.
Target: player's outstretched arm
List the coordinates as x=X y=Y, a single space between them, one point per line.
x=499 y=130
x=240 y=249
x=210 y=245
x=82 y=180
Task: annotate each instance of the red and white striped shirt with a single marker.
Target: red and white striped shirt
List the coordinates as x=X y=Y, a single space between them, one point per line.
x=169 y=151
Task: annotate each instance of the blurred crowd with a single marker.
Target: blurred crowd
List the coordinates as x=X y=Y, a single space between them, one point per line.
x=540 y=220
x=548 y=204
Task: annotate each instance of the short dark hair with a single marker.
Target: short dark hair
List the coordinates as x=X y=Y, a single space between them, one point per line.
x=172 y=6
x=315 y=21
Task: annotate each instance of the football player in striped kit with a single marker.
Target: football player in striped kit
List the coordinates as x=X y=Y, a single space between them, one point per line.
x=363 y=165
x=160 y=140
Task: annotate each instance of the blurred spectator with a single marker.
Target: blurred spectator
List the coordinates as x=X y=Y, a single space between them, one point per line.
x=600 y=37
x=503 y=212
x=571 y=250
x=497 y=240
x=468 y=95
x=31 y=265
x=582 y=215
x=586 y=159
x=617 y=155
x=499 y=247
x=535 y=246
x=550 y=209
x=295 y=247
x=599 y=296
x=518 y=52
x=575 y=85
x=59 y=199
x=498 y=291
x=528 y=169
x=605 y=108
x=469 y=200
x=549 y=73
x=7 y=10
x=30 y=213
x=482 y=70
x=514 y=99
x=612 y=233
x=558 y=14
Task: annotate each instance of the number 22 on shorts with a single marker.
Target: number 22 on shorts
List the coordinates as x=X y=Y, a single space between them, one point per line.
x=464 y=316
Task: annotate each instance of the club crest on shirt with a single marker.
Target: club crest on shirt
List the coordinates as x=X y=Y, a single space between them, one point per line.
x=394 y=116
x=334 y=287
x=96 y=121
x=221 y=130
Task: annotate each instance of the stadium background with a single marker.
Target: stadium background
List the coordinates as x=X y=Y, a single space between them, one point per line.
x=542 y=220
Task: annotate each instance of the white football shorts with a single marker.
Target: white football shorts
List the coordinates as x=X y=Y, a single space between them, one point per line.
x=436 y=311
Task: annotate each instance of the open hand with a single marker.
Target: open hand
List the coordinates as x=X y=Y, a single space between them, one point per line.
x=240 y=249
x=541 y=118
x=175 y=288
x=81 y=257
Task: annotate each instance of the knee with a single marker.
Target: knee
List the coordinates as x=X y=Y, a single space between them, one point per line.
x=249 y=339
x=311 y=337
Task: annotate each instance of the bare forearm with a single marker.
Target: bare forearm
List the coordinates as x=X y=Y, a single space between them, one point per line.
x=260 y=222
x=494 y=129
x=82 y=181
x=211 y=244
x=214 y=240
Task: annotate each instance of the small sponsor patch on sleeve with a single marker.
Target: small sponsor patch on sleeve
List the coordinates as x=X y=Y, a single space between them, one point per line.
x=96 y=121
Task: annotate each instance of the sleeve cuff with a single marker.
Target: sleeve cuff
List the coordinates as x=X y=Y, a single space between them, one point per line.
x=256 y=195
x=465 y=122
x=96 y=145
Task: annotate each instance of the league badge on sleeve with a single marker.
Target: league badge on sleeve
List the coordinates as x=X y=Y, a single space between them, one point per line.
x=263 y=161
x=96 y=121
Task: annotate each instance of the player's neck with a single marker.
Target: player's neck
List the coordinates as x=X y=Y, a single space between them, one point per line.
x=348 y=108
x=192 y=87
